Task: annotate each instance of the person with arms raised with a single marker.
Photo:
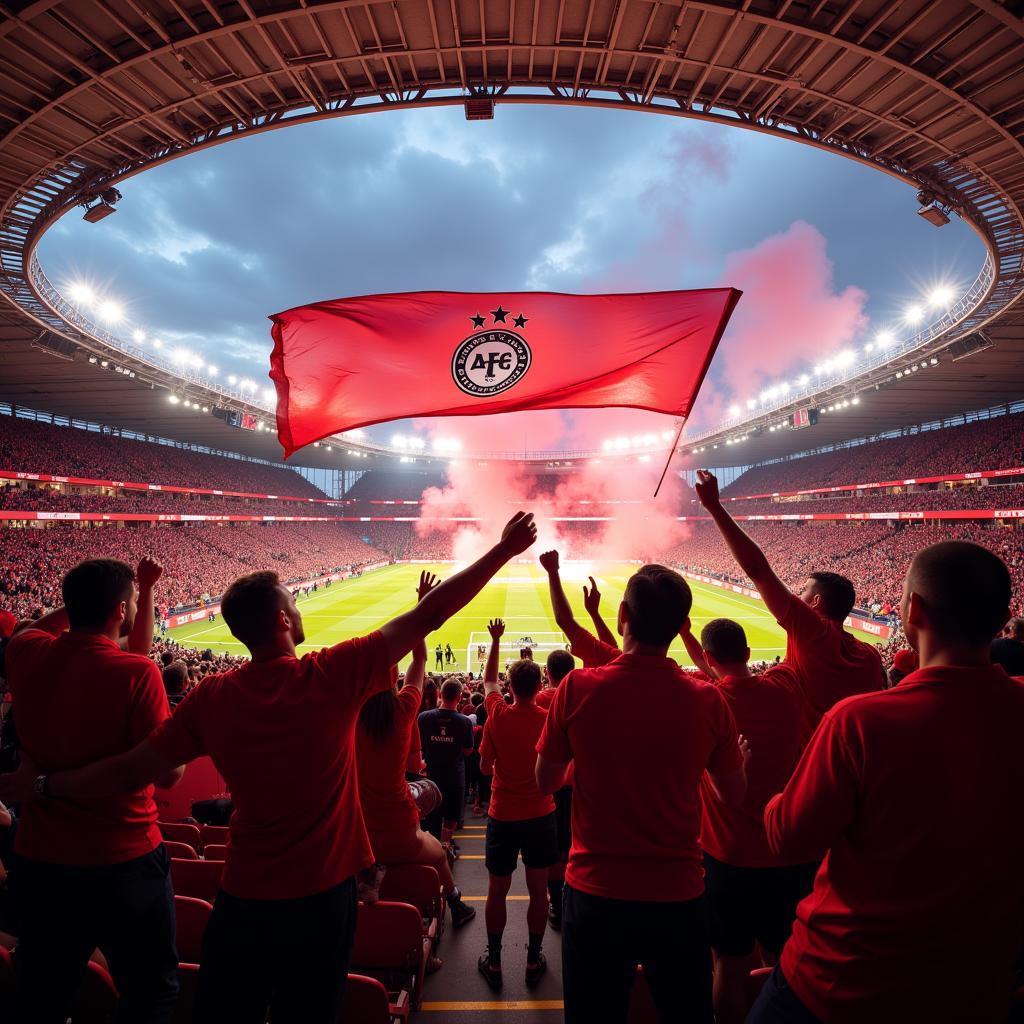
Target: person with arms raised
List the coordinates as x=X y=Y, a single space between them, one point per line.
x=386 y=723
x=521 y=820
x=281 y=731
x=829 y=663
x=910 y=794
x=90 y=868
x=590 y=649
x=634 y=885
x=752 y=893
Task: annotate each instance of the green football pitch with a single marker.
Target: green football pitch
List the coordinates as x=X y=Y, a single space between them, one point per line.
x=519 y=595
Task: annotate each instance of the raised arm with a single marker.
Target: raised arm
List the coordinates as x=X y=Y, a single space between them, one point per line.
x=496 y=627
x=402 y=632
x=54 y=622
x=592 y=602
x=694 y=649
x=750 y=558
x=564 y=617
x=417 y=670
x=140 y=639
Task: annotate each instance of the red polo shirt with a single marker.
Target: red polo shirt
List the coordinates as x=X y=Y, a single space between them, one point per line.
x=509 y=748
x=636 y=795
x=282 y=733
x=916 y=911
x=767 y=712
x=830 y=664
x=591 y=651
x=79 y=698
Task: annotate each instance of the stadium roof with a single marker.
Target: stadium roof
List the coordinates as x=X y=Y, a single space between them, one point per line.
x=93 y=91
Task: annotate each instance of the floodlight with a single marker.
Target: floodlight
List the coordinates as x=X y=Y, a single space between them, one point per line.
x=913 y=314
x=81 y=294
x=138 y=337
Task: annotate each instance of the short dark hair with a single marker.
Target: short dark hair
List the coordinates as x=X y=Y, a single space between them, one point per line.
x=658 y=600
x=524 y=678
x=526 y=653
x=838 y=594
x=725 y=641
x=175 y=676
x=94 y=588
x=965 y=589
x=560 y=664
x=451 y=690
x=250 y=605
x=476 y=699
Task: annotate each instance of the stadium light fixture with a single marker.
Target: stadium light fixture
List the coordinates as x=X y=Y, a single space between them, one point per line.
x=941 y=297
x=111 y=312
x=232 y=379
x=751 y=403
x=855 y=400
x=173 y=399
x=81 y=294
x=845 y=358
x=734 y=410
x=934 y=361
x=212 y=370
x=913 y=314
x=179 y=355
x=138 y=337
x=269 y=395
x=157 y=343
x=804 y=380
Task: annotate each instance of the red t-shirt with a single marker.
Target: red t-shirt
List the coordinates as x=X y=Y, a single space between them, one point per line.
x=636 y=795
x=830 y=664
x=591 y=651
x=79 y=698
x=282 y=733
x=545 y=697
x=767 y=713
x=383 y=792
x=916 y=911
x=509 y=747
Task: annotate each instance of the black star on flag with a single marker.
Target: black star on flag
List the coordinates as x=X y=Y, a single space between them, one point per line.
x=520 y=321
x=478 y=320
x=499 y=314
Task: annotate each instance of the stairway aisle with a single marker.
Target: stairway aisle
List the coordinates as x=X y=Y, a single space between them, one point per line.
x=457 y=993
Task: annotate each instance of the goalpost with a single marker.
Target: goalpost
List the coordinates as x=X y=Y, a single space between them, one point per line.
x=514 y=640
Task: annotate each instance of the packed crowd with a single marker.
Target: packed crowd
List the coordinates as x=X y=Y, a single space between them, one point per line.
x=199 y=560
x=34 y=447
x=986 y=444
x=816 y=816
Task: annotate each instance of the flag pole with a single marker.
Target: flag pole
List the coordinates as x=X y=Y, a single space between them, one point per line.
x=672 y=451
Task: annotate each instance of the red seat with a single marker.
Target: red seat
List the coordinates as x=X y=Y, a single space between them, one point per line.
x=419 y=885
x=391 y=947
x=180 y=850
x=366 y=1002
x=215 y=851
x=188 y=982
x=190 y=916
x=199 y=878
x=214 y=834
x=180 y=832
x=96 y=999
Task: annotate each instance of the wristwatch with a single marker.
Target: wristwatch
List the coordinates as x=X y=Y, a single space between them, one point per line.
x=41 y=785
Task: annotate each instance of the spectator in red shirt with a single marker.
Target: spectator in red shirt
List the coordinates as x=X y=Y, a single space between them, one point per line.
x=829 y=663
x=289 y=881
x=558 y=665
x=387 y=722
x=521 y=819
x=752 y=894
x=916 y=911
x=634 y=889
x=90 y=869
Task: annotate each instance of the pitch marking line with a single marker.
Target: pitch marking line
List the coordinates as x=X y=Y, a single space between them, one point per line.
x=508 y=1004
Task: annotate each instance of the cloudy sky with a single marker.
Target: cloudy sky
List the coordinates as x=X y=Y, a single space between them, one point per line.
x=827 y=252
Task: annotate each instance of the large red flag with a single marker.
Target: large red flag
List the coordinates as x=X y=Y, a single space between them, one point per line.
x=352 y=362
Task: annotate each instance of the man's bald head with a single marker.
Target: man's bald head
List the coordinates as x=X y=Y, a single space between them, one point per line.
x=964 y=590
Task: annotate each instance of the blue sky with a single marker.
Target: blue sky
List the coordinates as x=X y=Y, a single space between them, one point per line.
x=202 y=249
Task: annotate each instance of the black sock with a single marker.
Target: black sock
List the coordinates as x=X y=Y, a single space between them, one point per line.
x=533 y=949
x=494 y=948
x=555 y=892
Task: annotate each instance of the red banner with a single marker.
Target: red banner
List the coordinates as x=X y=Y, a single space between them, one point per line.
x=353 y=362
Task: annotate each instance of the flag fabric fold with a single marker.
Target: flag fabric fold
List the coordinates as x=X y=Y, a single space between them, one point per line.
x=350 y=363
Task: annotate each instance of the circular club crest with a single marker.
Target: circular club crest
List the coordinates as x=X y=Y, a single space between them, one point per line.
x=490 y=362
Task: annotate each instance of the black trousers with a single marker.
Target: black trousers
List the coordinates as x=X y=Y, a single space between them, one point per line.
x=288 y=956
x=63 y=913
x=603 y=941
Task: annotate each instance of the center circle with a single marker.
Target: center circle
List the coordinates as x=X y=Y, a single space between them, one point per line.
x=490 y=362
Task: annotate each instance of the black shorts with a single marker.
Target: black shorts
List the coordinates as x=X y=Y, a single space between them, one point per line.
x=453 y=793
x=748 y=905
x=563 y=821
x=536 y=838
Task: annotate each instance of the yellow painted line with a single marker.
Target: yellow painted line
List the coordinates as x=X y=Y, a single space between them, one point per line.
x=467 y=835
x=507 y=1004
x=470 y=856
x=481 y=899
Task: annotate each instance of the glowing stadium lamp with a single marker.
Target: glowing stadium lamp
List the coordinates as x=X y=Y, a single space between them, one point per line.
x=941 y=297
x=248 y=385
x=232 y=379
x=157 y=343
x=751 y=403
x=399 y=441
x=111 y=312
x=417 y=442
x=855 y=400
x=195 y=361
x=869 y=347
x=784 y=386
x=913 y=314
x=179 y=355
x=212 y=370
x=81 y=294
x=621 y=443
x=845 y=358
x=734 y=410
x=173 y=399
x=804 y=380
x=269 y=395
x=138 y=337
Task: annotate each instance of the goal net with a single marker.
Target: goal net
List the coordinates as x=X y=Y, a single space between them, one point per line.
x=541 y=644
